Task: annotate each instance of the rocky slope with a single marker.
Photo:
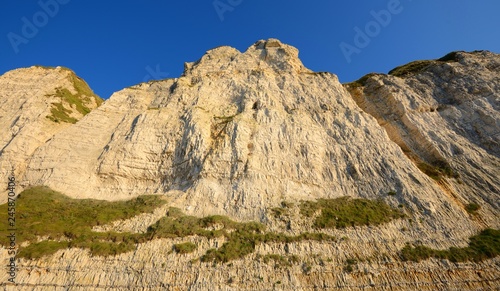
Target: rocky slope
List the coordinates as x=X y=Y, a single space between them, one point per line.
x=36 y=103
x=238 y=133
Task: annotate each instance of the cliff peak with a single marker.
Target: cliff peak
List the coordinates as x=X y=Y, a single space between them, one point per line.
x=268 y=54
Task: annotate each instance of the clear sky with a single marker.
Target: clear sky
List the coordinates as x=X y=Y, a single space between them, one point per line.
x=116 y=44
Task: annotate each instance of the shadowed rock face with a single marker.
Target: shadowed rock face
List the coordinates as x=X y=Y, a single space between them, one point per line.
x=239 y=133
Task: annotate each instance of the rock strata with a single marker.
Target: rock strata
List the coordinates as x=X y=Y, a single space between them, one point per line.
x=239 y=133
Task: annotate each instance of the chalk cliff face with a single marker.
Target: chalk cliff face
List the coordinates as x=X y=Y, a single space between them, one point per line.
x=239 y=133
x=36 y=103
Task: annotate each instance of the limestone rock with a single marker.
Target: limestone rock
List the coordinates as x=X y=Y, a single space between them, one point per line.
x=29 y=99
x=239 y=133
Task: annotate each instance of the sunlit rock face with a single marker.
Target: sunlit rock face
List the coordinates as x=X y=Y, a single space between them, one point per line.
x=238 y=133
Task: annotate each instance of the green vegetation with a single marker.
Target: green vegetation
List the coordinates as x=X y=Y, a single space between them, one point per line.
x=78 y=100
x=42 y=212
x=483 y=246
x=61 y=114
x=63 y=222
x=281 y=261
x=451 y=57
x=472 y=208
x=412 y=68
x=344 y=212
x=278 y=211
x=361 y=81
x=438 y=170
x=184 y=248
x=349 y=265
x=242 y=237
x=391 y=193
x=283 y=210
x=417 y=67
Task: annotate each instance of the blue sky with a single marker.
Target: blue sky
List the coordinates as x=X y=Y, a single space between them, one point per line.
x=116 y=44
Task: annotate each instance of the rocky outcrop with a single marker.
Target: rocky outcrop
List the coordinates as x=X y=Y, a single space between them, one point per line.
x=445 y=114
x=35 y=106
x=238 y=133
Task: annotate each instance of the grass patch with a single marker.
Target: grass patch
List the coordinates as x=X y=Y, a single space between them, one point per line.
x=79 y=100
x=411 y=68
x=185 y=248
x=67 y=223
x=242 y=237
x=416 y=67
x=42 y=212
x=41 y=249
x=450 y=58
x=344 y=212
x=483 y=246
x=360 y=82
x=60 y=114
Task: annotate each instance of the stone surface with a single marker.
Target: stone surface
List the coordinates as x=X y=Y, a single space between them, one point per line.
x=27 y=96
x=239 y=133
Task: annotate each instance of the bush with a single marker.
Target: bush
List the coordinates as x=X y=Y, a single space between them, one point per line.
x=344 y=212
x=472 y=208
x=412 y=68
x=438 y=170
x=44 y=212
x=184 y=248
x=483 y=246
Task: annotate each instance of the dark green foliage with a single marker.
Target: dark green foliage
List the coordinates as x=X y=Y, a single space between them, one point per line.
x=242 y=237
x=344 y=212
x=60 y=114
x=41 y=249
x=184 y=248
x=412 y=68
x=391 y=193
x=278 y=211
x=349 y=265
x=483 y=246
x=240 y=244
x=417 y=67
x=360 y=82
x=44 y=212
x=472 y=208
x=451 y=57
x=438 y=170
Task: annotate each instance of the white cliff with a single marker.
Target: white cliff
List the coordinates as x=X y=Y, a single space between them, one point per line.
x=238 y=133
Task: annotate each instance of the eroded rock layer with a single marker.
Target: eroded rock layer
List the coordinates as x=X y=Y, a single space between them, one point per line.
x=239 y=133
